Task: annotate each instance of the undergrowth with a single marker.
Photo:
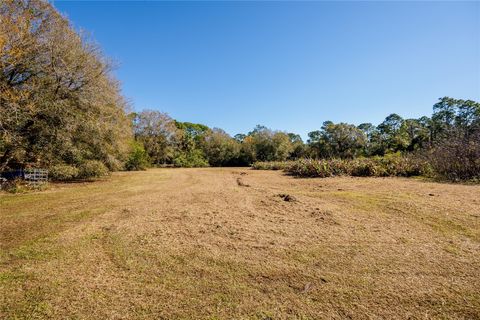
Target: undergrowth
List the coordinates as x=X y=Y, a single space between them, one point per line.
x=389 y=165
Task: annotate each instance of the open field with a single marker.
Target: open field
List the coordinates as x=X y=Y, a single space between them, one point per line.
x=221 y=244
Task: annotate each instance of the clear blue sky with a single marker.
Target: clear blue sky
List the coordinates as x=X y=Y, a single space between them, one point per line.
x=287 y=65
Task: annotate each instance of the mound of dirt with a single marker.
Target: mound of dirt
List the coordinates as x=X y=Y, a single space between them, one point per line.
x=287 y=197
x=241 y=183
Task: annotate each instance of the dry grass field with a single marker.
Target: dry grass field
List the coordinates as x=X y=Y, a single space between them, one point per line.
x=222 y=244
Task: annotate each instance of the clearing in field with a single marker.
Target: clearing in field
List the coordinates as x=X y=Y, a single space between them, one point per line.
x=241 y=244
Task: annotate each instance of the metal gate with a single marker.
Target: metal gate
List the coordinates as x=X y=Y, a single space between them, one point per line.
x=35 y=176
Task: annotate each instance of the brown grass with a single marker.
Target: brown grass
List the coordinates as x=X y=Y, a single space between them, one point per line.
x=194 y=244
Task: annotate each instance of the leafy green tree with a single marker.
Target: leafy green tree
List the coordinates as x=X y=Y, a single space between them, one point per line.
x=190 y=159
x=283 y=146
x=338 y=140
x=454 y=151
x=313 y=142
x=455 y=116
x=240 y=137
x=190 y=135
x=392 y=138
x=297 y=145
x=59 y=103
x=263 y=144
x=371 y=132
x=416 y=132
x=247 y=154
x=138 y=158
x=220 y=149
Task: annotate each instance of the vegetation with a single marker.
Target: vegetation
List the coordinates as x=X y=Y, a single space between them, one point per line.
x=92 y=169
x=138 y=158
x=63 y=172
x=272 y=165
x=446 y=145
x=61 y=109
x=389 y=165
x=186 y=144
x=59 y=104
x=457 y=158
x=231 y=244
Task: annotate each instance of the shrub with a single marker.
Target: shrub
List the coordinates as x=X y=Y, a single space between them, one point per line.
x=92 y=169
x=63 y=172
x=405 y=166
x=271 y=165
x=310 y=168
x=14 y=186
x=392 y=165
x=192 y=159
x=113 y=164
x=457 y=158
x=137 y=159
x=365 y=168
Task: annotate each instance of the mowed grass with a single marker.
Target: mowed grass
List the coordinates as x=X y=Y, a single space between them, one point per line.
x=196 y=244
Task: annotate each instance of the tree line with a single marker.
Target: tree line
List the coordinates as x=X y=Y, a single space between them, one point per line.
x=61 y=109
x=453 y=128
x=162 y=140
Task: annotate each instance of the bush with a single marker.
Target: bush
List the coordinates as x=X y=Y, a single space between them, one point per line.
x=14 y=186
x=457 y=159
x=92 y=169
x=366 y=168
x=63 y=172
x=192 y=159
x=113 y=164
x=137 y=159
x=271 y=165
x=391 y=165
x=310 y=168
x=397 y=165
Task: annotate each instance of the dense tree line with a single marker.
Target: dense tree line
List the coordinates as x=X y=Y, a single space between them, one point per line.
x=451 y=118
x=166 y=141
x=60 y=108
x=453 y=128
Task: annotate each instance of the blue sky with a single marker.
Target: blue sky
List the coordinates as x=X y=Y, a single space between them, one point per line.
x=287 y=65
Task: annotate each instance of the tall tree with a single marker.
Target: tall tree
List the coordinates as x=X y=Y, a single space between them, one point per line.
x=338 y=140
x=461 y=116
x=392 y=137
x=220 y=149
x=58 y=100
x=158 y=133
